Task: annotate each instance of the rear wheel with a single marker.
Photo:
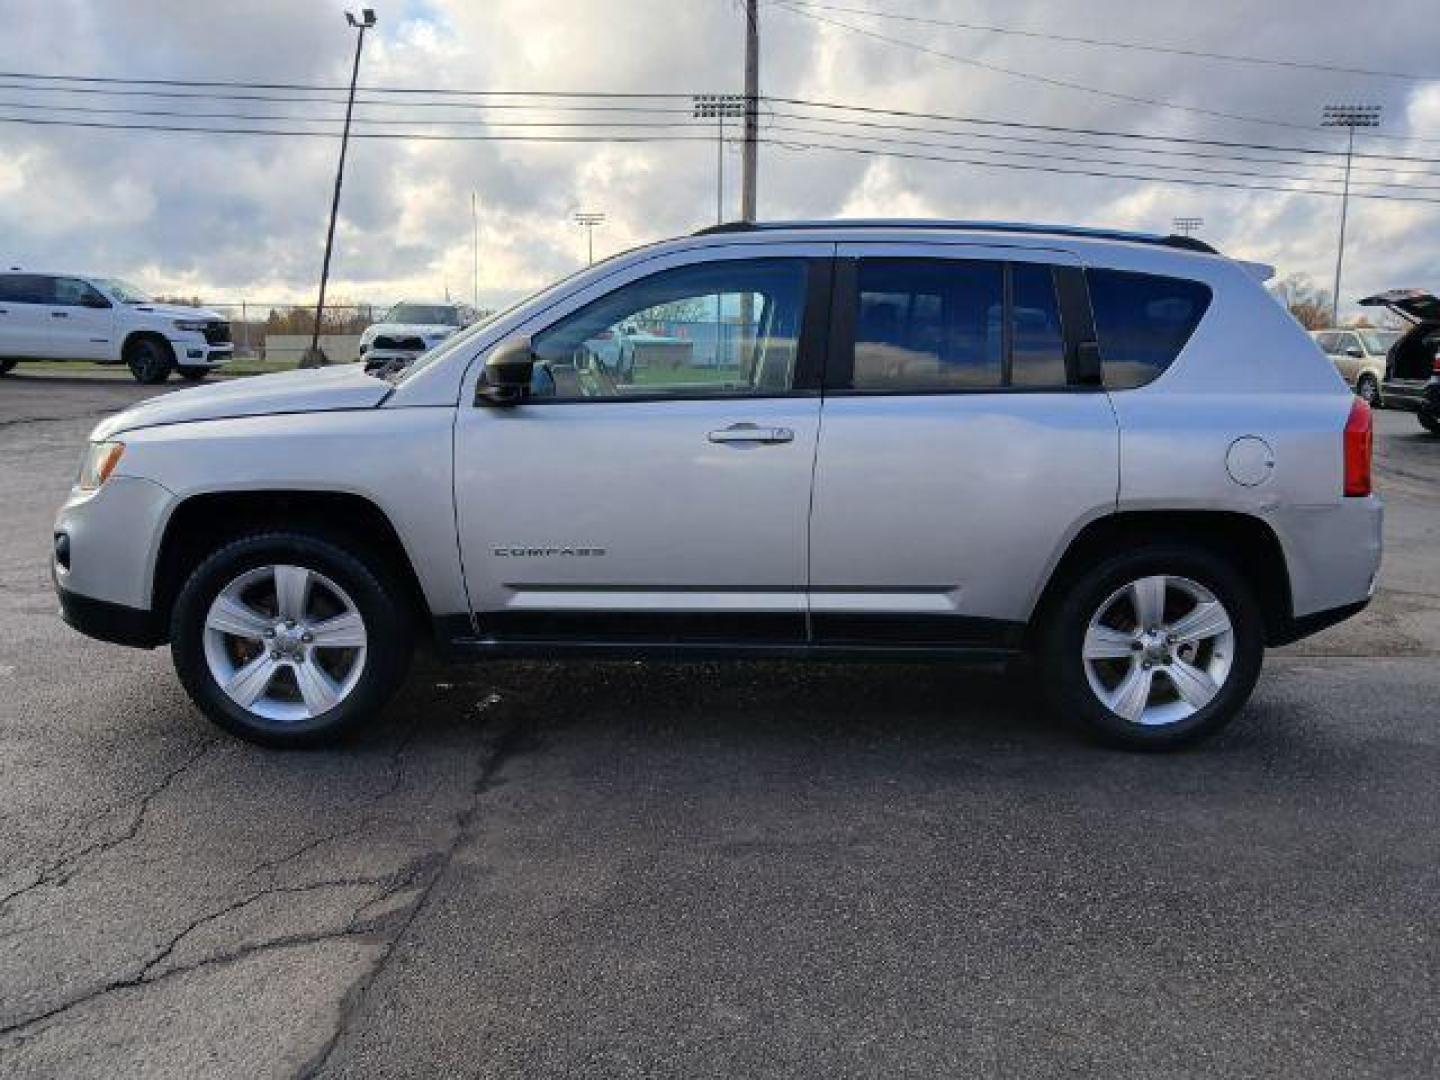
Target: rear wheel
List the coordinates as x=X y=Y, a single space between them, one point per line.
x=192 y=374
x=1430 y=422
x=287 y=639
x=1369 y=388
x=7 y=366
x=1154 y=649
x=150 y=360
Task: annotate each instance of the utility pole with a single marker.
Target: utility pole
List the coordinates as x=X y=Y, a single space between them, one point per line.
x=590 y=219
x=752 y=109
x=313 y=356
x=475 y=251
x=1349 y=117
x=1186 y=226
x=719 y=106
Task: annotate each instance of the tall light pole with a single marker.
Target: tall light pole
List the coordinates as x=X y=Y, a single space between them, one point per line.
x=1349 y=117
x=752 y=110
x=590 y=219
x=719 y=106
x=1186 y=226
x=475 y=251
x=313 y=356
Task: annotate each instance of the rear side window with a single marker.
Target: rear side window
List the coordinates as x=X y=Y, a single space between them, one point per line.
x=27 y=289
x=1142 y=321
x=1037 y=343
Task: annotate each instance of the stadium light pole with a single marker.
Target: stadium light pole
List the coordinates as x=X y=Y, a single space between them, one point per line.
x=719 y=106
x=1187 y=226
x=590 y=219
x=1349 y=117
x=313 y=356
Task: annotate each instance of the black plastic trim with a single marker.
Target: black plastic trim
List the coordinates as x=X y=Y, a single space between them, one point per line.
x=1183 y=243
x=938 y=631
x=1305 y=626
x=115 y=623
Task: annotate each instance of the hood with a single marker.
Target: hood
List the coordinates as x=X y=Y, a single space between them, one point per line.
x=1417 y=305
x=178 y=311
x=425 y=330
x=344 y=386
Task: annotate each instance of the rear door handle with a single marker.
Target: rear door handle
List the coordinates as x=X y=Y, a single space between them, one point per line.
x=59 y=314
x=751 y=433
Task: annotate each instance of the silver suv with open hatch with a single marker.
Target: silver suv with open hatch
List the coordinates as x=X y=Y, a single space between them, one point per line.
x=864 y=440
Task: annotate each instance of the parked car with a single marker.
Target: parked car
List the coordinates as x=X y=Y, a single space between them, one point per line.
x=1359 y=355
x=1108 y=482
x=106 y=320
x=409 y=329
x=620 y=351
x=1412 y=369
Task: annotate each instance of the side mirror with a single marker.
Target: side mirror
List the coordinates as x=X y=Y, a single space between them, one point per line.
x=508 y=371
x=94 y=300
x=1087 y=364
x=1356 y=352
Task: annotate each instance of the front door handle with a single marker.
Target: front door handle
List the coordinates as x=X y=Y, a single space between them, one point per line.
x=59 y=314
x=751 y=433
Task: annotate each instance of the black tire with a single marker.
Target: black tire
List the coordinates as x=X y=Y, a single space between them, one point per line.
x=380 y=600
x=1368 y=387
x=192 y=374
x=1430 y=422
x=150 y=360
x=1061 y=647
x=7 y=366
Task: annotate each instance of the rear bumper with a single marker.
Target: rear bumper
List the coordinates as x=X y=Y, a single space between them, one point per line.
x=1306 y=625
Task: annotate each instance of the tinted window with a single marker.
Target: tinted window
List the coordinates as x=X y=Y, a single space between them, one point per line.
x=72 y=292
x=1037 y=342
x=1329 y=343
x=1142 y=322
x=27 y=288
x=928 y=324
x=715 y=329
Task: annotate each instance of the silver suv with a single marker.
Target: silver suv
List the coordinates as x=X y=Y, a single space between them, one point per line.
x=863 y=440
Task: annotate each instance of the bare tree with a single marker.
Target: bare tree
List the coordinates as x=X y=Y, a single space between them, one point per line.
x=1305 y=300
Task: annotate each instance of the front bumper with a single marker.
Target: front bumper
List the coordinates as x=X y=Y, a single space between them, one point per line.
x=192 y=350
x=115 y=623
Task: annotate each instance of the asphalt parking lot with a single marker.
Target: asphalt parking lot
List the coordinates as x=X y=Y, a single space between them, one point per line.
x=709 y=870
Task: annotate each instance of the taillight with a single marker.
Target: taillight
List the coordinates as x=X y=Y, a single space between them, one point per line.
x=1435 y=364
x=1359 y=448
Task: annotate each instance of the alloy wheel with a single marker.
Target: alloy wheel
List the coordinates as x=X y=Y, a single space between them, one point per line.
x=1158 y=650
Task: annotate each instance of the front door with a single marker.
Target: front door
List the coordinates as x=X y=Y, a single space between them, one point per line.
x=958 y=451
x=81 y=321
x=664 y=499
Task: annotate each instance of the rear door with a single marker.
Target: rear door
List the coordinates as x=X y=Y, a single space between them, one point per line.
x=958 y=453
x=25 y=315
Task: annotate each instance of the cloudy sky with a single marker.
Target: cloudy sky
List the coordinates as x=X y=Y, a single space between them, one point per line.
x=243 y=216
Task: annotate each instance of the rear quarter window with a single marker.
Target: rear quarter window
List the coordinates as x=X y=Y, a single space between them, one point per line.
x=1142 y=321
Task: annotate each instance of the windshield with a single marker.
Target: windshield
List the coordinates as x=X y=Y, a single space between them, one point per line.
x=424 y=315
x=1378 y=342
x=125 y=292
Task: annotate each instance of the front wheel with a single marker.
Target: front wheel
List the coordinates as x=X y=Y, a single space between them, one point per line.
x=1154 y=649
x=150 y=360
x=7 y=366
x=1369 y=389
x=1430 y=422
x=286 y=639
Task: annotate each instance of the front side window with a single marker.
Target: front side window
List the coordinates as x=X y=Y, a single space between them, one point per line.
x=714 y=329
x=928 y=324
x=1329 y=343
x=1142 y=321
x=1378 y=342
x=72 y=292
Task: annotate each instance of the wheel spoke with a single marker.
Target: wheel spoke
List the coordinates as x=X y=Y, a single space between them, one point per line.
x=1192 y=684
x=1148 y=596
x=292 y=591
x=1104 y=643
x=252 y=680
x=1208 y=620
x=344 y=631
x=1132 y=695
x=316 y=687
x=231 y=616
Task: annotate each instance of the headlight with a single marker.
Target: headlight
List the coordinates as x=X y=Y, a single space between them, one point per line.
x=100 y=461
x=190 y=324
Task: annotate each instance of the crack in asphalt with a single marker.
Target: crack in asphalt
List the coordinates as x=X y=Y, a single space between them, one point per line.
x=502 y=747
x=59 y=872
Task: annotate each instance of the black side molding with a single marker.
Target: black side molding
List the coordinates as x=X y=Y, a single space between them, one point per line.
x=115 y=623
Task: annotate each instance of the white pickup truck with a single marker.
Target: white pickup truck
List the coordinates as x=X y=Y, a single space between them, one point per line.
x=76 y=317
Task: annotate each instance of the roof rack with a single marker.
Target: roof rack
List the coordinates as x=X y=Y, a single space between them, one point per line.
x=1185 y=243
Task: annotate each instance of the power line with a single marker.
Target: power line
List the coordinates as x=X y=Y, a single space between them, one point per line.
x=1200 y=54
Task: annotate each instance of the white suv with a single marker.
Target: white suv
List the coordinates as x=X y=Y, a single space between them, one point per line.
x=74 y=317
x=881 y=440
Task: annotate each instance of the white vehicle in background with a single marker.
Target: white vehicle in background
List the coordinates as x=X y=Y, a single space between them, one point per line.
x=409 y=329
x=106 y=320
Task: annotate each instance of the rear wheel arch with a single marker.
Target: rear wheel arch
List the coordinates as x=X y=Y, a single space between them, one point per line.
x=202 y=523
x=1243 y=540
